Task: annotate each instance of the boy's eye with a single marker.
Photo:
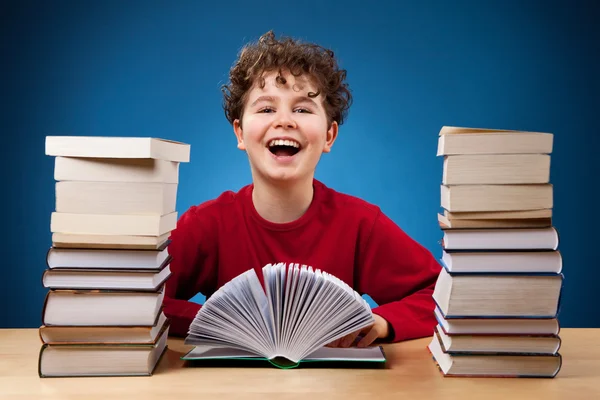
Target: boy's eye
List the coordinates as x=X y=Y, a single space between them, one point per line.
x=302 y=110
x=266 y=110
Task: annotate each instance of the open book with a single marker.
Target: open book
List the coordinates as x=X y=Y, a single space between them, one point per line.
x=298 y=312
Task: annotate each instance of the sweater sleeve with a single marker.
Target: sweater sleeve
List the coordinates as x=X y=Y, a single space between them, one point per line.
x=192 y=269
x=399 y=275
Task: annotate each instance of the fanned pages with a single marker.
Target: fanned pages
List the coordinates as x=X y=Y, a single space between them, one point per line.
x=299 y=311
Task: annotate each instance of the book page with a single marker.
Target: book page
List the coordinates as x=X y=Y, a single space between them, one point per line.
x=319 y=291
x=340 y=316
x=290 y=291
x=207 y=352
x=269 y=272
x=373 y=353
x=306 y=310
x=235 y=316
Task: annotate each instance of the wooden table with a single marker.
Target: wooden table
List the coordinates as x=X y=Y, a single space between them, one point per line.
x=410 y=374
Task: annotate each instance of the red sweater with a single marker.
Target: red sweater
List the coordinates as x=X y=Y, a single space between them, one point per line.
x=340 y=234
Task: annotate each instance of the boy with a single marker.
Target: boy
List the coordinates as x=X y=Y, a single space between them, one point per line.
x=286 y=101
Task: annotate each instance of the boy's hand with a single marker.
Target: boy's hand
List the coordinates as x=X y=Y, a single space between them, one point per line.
x=378 y=330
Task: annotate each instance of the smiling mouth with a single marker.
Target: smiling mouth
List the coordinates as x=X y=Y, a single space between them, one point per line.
x=284 y=148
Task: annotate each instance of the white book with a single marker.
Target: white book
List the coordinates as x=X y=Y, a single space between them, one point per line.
x=107 y=258
x=460 y=140
x=497 y=326
x=299 y=312
x=101 y=308
x=115 y=170
x=501 y=239
x=96 y=279
x=503 y=261
x=117 y=147
x=487 y=169
x=494 y=365
x=509 y=295
x=124 y=359
x=113 y=224
x=55 y=335
x=495 y=198
x=116 y=198
x=498 y=344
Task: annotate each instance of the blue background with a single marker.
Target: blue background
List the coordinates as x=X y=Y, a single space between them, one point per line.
x=150 y=68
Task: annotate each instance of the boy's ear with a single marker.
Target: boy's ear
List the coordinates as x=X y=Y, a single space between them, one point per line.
x=332 y=133
x=237 y=129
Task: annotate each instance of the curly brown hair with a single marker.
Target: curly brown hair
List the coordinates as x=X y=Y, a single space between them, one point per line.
x=270 y=54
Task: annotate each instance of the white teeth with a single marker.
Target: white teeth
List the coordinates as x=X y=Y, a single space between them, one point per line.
x=279 y=142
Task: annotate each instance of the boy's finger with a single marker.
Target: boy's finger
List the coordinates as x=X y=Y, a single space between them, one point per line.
x=349 y=339
x=368 y=338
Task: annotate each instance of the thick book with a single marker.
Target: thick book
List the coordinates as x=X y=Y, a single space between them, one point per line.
x=500 y=239
x=288 y=322
x=496 y=169
x=524 y=365
x=143 y=334
x=498 y=344
x=101 y=307
x=112 y=224
x=115 y=170
x=497 y=326
x=503 y=261
x=104 y=279
x=483 y=197
x=461 y=140
x=125 y=359
x=498 y=295
x=116 y=198
x=117 y=147
x=149 y=260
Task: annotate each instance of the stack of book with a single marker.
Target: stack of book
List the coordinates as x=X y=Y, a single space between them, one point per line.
x=109 y=262
x=498 y=293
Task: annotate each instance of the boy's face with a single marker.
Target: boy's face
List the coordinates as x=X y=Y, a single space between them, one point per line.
x=283 y=131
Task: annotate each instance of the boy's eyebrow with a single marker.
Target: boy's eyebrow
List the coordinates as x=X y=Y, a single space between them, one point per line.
x=272 y=99
x=262 y=98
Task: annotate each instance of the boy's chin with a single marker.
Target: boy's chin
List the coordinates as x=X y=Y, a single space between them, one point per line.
x=282 y=177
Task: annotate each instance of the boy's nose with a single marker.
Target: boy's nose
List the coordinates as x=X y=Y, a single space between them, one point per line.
x=284 y=120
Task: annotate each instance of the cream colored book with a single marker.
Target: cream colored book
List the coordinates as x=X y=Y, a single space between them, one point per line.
x=117 y=147
x=115 y=170
x=496 y=197
x=460 y=140
x=496 y=169
x=123 y=359
x=498 y=295
x=102 y=224
x=519 y=214
x=91 y=241
x=506 y=344
x=110 y=307
x=494 y=365
x=132 y=198
x=103 y=334
x=446 y=223
x=497 y=326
